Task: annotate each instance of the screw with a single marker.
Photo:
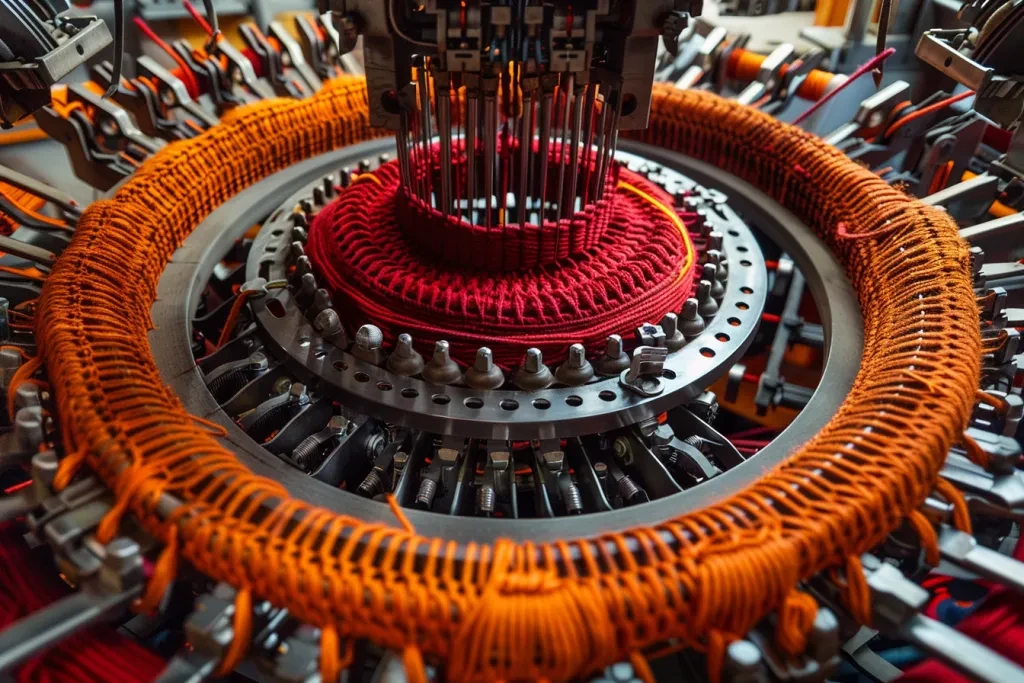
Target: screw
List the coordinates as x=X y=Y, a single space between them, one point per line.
x=405 y=360
x=707 y=307
x=426 y=493
x=573 y=500
x=305 y=453
x=533 y=374
x=674 y=339
x=399 y=460
x=485 y=499
x=441 y=369
x=628 y=489
x=372 y=484
x=692 y=325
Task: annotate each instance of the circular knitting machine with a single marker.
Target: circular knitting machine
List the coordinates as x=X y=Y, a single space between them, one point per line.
x=497 y=395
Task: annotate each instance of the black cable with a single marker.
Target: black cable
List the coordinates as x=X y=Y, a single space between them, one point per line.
x=119 y=19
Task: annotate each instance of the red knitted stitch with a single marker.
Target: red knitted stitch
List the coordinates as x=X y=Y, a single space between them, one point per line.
x=377 y=275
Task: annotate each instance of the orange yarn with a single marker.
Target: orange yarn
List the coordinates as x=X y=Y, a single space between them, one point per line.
x=511 y=611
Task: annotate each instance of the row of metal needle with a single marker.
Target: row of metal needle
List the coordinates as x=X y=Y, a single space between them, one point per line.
x=559 y=112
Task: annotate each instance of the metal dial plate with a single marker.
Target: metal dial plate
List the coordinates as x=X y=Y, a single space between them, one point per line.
x=556 y=412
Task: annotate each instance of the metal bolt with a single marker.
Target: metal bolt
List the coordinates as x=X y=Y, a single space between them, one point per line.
x=369 y=339
x=405 y=360
x=614 y=360
x=305 y=453
x=674 y=339
x=297 y=393
x=372 y=484
x=533 y=374
x=426 y=493
x=484 y=374
x=485 y=499
x=441 y=369
x=711 y=275
x=692 y=325
x=628 y=490
x=707 y=307
x=399 y=460
x=576 y=370
x=573 y=500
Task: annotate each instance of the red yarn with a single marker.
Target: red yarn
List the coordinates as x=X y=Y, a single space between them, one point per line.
x=99 y=654
x=633 y=274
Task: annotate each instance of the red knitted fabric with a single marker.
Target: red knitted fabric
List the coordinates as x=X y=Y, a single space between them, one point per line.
x=634 y=273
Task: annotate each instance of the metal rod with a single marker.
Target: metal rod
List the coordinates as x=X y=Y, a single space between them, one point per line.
x=569 y=198
x=525 y=149
x=490 y=138
x=568 y=87
x=473 y=115
x=544 y=135
x=426 y=133
x=611 y=141
x=445 y=130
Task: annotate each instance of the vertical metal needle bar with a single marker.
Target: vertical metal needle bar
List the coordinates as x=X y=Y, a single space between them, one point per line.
x=568 y=85
x=426 y=132
x=598 y=153
x=525 y=143
x=444 y=127
x=610 y=137
x=473 y=109
x=569 y=196
x=403 y=150
x=544 y=136
x=588 y=142
x=490 y=135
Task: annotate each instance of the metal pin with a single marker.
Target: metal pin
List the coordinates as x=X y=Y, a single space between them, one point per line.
x=405 y=360
x=484 y=374
x=711 y=275
x=445 y=130
x=426 y=133
x=543 y=137
x=674 y=339
x=707 y=307
x=525 y=152
x=566 y=90
x=473 y=116
x=691 y=325
x=533 y=374
x=569 y=197
x=441 y=369
x=576 y=370
x=615 y=358
x=490 y=88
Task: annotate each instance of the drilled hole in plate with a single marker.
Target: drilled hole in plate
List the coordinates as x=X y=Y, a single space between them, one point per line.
x=340 y=365
x=607 y=395
x=474 y=403
x=541 y=403
x=722 y=337
x=668 y=374
x=276 y=308
x=320 y=355
x=385 y=386
x=361 y=377
x=441 y=399
x=270 y=249
x=743 y=305
x=734 y=233
x=304 y=342
x=745 y=263
x=278 y=232
x=509 y=404
x=707 y=353
x=742 y=250
x=409 y=392
x=746 y=290
x=574 y=401
x=735 y=322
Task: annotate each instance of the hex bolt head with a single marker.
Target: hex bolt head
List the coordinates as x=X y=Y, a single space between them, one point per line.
x=533 y=374
x=691 y=325
x=484 y=374
x=707 y=307
x=258 y=361
x=614 y=360
x=405 y=360
x=674 y=339
x=441 y=369
x=576 y=369
x=369 y=340
x=717 y=288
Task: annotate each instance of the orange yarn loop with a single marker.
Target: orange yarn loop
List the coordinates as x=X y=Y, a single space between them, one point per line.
x=517 y=611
